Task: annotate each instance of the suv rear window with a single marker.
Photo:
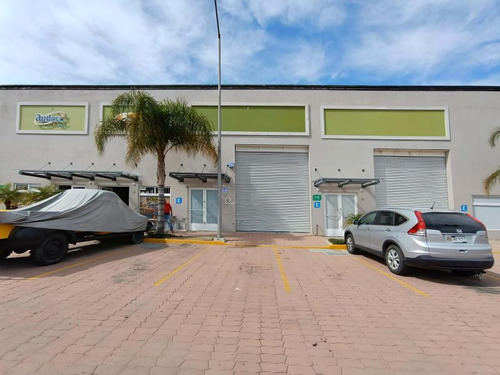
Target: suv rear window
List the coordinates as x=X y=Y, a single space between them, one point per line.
x=449 y=222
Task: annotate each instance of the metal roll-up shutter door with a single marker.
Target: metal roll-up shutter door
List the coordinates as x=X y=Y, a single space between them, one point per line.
x=408 y=181
x=272 y=192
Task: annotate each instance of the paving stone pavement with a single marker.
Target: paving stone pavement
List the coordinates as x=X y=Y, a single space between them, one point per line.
x=199 y=309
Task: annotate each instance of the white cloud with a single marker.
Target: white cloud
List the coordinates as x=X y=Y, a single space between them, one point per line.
x=415 y=50
x=424 y=38
x=279 y=41
x=327 y=12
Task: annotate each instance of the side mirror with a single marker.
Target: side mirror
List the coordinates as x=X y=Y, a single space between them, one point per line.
x=356 y=222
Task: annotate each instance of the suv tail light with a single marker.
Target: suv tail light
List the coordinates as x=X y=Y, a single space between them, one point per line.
x=480 y=223
x=419 y=228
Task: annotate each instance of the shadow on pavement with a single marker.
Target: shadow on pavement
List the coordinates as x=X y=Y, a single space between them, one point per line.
x=89 y=254
x=490 y=279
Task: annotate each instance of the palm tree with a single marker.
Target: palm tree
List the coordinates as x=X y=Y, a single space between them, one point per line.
x=156 y=127
x=493 y=178
x=39 y=194
x=9 y=196
x=350 y=219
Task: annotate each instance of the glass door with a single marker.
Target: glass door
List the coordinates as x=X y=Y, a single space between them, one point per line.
x=203 y=210
x=338 y=208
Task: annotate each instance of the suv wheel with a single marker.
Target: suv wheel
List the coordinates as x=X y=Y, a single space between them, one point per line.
x=51 y=250
x=350 y=244
x=395 y=260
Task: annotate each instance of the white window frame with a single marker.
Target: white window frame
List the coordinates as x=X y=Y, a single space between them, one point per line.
x=29 y=186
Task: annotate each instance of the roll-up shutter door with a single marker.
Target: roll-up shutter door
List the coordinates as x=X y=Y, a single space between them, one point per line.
x=408 y=181
x=272 y=192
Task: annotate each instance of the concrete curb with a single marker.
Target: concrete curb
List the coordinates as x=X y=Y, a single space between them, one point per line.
x=220 y=243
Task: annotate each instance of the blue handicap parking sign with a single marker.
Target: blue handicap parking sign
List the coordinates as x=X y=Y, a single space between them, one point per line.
x=317 y=204
x=463 y=208
x=178 y=200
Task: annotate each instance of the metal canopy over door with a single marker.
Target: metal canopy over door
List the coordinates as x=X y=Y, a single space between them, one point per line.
x=338 y=208
x=411 y=181
x=272 y=192
x=203 y=209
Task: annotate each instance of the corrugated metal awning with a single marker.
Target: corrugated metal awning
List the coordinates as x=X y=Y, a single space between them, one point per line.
x=89 y=175
x=203 y=176
x=364 y=182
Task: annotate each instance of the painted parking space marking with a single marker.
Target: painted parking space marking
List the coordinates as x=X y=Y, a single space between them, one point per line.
x=286 y=284
x=329 y=252
x=182 y=266
x=394 y=278
x=77 y=264
x=68 y=267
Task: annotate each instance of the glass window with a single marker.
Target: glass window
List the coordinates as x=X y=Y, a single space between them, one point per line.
x=369 y=218
x=385 y=218
x=148 y=200
x=27 y=187
x=449 y=222
x=400 y=219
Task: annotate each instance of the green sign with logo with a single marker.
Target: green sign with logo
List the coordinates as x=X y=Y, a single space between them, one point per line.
x=52 y=118
x=316 y=197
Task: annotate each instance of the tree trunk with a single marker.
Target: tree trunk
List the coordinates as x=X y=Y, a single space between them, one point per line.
x=7 y=204
x=160 y=177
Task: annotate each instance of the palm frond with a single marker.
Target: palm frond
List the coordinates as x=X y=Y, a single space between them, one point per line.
x=494 y=137
x=190 y=131
x=491 y=180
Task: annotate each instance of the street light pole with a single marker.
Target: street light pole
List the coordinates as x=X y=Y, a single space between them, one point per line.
x=219 y=132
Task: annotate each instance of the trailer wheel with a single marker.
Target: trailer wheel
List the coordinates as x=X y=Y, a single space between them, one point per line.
x=51 y=250
x=4 y=254
x=137 y=237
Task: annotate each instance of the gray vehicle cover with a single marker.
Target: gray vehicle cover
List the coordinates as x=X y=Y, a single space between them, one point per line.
x=79 y=210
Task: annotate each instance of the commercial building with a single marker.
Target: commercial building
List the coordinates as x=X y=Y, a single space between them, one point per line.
x=295 y=158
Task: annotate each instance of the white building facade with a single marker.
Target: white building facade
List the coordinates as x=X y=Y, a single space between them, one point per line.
x=295 y=158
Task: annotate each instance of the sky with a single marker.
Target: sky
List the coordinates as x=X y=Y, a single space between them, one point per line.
x=289 y=42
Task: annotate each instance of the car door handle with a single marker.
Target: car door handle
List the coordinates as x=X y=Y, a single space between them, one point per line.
x=388 y=230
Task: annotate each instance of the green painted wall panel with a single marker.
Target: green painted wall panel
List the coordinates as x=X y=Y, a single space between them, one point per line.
x=107 y=111
x=380 y=123
x=258 y=119
x=52 y=118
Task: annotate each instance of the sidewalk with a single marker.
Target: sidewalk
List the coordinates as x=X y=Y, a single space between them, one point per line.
x=256 y=239
x=271 y=239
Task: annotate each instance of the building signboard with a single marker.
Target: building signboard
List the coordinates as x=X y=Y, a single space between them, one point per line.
x=52 y=118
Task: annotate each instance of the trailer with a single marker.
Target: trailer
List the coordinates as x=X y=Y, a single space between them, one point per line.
x=47 y=228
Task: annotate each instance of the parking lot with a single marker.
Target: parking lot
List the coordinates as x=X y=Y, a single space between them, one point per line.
x=279 y=307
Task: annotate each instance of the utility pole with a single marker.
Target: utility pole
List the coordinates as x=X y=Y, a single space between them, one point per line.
x=219 y=139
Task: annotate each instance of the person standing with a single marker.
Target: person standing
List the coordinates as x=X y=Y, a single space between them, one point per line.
x=167 y=209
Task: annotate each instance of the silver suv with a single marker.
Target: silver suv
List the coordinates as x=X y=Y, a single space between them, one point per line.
x=427 y=238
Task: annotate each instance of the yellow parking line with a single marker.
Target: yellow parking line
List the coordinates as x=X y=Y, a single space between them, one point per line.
x=394 y=278
x=286 y=284
x=165 y=278
x=67 y=267
x=193 y=242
